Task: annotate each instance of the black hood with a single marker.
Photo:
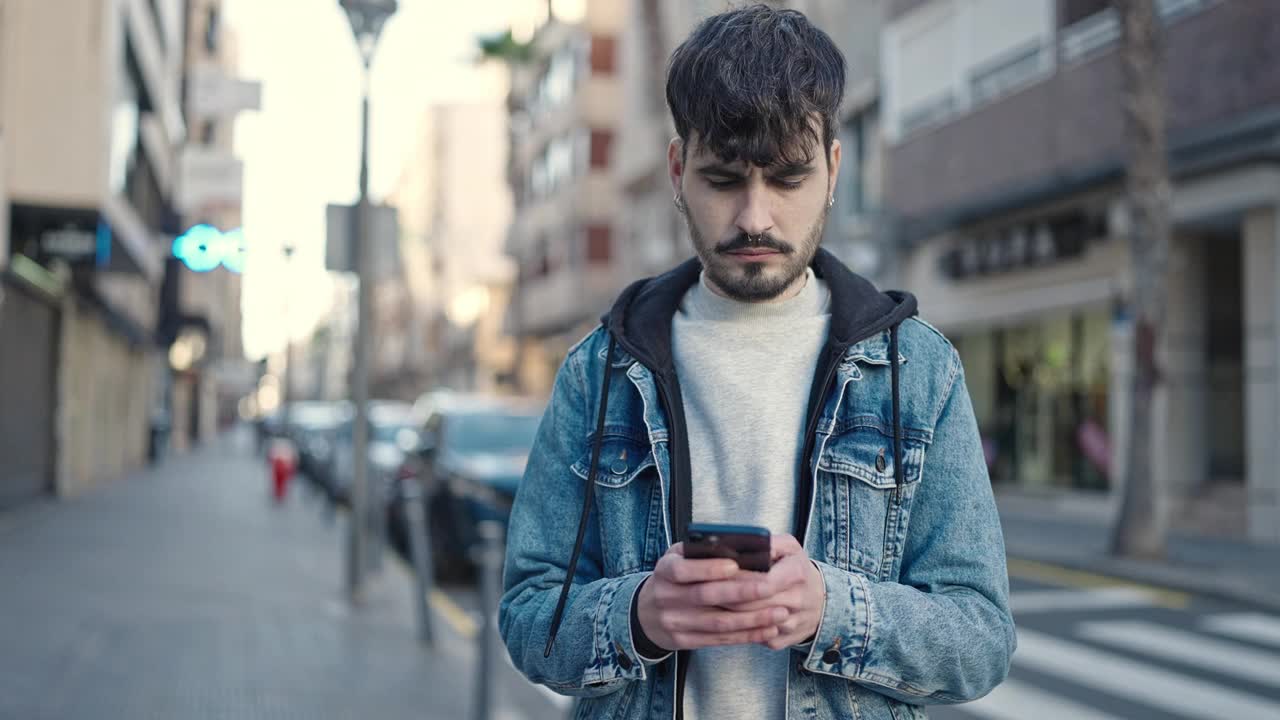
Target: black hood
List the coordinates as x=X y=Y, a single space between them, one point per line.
x=641 y=317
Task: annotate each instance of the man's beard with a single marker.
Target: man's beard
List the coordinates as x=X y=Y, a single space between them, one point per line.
x=749 y=282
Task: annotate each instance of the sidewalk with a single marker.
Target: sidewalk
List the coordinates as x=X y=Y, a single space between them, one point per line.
x=181 y=592
x=1076 y=537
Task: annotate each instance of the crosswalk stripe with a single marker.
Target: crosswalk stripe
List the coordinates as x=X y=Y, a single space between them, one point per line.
x=1014 y=700
x=1094 y=599
x=1188 y=648
x=1254 y=627
x=1172 y=692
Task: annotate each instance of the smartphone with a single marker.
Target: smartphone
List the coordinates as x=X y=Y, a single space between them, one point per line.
x=748 y=545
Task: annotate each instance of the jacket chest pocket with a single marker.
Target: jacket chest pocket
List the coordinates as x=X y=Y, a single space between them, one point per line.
x=628 y=504
x=863 y=510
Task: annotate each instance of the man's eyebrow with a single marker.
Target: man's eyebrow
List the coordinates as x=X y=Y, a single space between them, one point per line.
x=784 y=170
x=790 y=169
x=719 y=169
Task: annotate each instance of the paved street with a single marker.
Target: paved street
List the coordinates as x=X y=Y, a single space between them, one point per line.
x=182 y=592
x=1092 y=649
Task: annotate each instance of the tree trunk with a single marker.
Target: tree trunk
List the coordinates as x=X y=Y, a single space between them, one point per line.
x=1141 y=527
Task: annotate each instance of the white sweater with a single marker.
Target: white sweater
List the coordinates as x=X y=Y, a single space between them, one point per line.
x=745 y=371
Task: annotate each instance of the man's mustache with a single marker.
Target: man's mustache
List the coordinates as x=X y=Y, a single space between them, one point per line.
x=744 y=242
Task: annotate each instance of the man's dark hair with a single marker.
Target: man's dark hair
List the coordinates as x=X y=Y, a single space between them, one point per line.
x=749 y=81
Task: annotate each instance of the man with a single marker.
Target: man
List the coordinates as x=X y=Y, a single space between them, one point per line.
x=761 y=383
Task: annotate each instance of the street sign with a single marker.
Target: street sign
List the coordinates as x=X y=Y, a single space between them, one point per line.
x=384 y=230
x=208 y=176
x=216 y=94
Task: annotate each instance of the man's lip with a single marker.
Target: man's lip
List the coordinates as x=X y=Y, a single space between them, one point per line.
x=754 y=251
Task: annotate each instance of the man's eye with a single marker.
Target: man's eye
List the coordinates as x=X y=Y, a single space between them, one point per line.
x=722 y=183
x=786 y=184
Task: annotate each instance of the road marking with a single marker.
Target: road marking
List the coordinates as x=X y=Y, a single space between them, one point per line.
x=1254 y=627
x=1013 y=700
x=1176 y=693
x=460 y=620
x=1054 y=575
x=1034 y=601
x=441 y=604
x=1220 y=656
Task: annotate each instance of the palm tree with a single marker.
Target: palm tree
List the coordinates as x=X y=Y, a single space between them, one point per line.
x=1141 y=527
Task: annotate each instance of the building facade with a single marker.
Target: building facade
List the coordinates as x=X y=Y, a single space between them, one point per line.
x=95 y=135
x=1005 y=165
x=455 y=211
x=565 y=105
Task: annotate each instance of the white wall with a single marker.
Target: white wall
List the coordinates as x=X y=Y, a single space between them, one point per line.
x=931 y=52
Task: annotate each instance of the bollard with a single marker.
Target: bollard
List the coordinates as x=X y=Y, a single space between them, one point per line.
x=376 y=523
x=489 y=557
x=420 y=555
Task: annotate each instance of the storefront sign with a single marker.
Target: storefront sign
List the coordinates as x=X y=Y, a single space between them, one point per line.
x=1023 y=246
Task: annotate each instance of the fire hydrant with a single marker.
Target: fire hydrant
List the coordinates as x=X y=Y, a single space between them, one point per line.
x=283 y=460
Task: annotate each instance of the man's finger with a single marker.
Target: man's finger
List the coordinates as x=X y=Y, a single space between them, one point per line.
x=717 y=622
x=788 y=572
x=791 y=599
x=743 y=589
x=784 y=544
x=683 y=571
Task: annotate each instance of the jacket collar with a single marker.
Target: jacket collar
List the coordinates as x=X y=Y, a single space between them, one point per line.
x=860 y=314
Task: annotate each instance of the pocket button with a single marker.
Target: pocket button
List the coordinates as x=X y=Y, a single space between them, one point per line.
x=880 y=462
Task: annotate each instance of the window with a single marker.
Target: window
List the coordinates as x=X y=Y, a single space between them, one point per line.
x=1073 y=11
x=601 y=141
x=853 y=176
x=603 y=54
x=599 y=244
x=212 y=28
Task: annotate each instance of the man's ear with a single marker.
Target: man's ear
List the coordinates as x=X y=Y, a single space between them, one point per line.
x=833 y=168
x=675 y=164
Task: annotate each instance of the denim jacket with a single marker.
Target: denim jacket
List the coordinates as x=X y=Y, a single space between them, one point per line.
x=894 y=506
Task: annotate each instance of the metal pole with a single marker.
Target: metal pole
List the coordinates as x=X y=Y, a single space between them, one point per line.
x=360 y=380
x=490 y=563
x=420 y=553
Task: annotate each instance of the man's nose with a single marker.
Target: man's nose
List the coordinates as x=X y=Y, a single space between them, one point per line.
x=755 y=218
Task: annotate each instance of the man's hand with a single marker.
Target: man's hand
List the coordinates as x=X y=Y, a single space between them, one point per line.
x=688 y=604
x=797 y=586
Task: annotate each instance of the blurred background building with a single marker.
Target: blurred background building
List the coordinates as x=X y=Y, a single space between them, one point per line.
x=1005 y=177
x=96 y=135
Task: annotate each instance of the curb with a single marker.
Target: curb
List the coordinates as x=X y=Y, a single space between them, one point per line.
x=1229 y=589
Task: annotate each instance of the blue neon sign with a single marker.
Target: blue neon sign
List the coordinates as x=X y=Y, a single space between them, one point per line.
x=203 y=248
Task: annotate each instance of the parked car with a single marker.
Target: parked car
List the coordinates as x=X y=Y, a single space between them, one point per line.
x=472 y=456
x=393 y=434
x=317 y=429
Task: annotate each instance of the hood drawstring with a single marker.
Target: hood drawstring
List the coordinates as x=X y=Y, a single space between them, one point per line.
x=588 y=496
x=895 y=371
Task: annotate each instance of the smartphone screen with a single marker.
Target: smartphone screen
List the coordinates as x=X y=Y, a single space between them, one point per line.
x=748 y=545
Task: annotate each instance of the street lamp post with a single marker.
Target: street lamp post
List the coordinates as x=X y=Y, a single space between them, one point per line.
x=367 y=19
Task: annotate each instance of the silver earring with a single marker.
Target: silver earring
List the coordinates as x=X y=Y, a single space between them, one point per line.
x=831 y=201
x=679 y=202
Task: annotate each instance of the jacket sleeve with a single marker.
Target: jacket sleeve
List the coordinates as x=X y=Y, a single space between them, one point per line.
x=943 y=633
x=594 y=653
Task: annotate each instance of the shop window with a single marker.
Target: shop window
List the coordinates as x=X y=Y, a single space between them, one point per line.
x=599 y=244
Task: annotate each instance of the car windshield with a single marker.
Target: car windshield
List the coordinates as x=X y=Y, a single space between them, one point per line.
x=490 y=432
x=390 y=432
